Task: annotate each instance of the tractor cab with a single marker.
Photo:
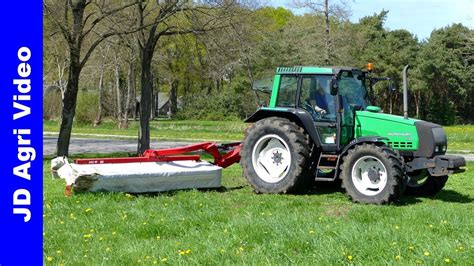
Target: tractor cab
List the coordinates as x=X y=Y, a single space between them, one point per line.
x=330 y=96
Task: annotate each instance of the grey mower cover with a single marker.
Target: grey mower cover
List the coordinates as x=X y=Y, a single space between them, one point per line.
x=138 y=177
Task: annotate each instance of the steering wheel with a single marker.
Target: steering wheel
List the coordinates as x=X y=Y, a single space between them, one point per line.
x=314 y=114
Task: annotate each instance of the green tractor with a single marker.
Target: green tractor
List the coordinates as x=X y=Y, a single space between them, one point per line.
x=319 y=126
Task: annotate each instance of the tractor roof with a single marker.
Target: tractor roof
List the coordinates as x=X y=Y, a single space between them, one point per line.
x=312 y=70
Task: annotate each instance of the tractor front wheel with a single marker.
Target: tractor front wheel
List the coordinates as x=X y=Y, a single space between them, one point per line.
x=372 y=174
x=421 y=183
x=275 y=156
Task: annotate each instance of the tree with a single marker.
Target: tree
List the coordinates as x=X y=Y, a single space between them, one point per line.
x=447 y=70
x=167 y=18
x=79 y=23
x=323 y=7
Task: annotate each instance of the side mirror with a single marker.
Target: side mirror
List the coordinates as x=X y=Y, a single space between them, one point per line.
x=334 y=86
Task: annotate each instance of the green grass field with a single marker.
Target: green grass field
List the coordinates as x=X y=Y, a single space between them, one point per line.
x=233 y=225
x=460 y=138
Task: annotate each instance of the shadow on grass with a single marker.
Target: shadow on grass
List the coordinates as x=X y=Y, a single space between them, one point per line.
x=453 y=196
x=170 y=193
x=444 y=195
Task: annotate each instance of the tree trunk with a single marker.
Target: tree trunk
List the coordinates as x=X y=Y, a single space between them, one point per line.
x=69 y=104
x=130 y=89
x=187 y=85
x=328 y=40
x=98 y=119
x=118 y=93
x=174 y=97
x=145 y=99
x=417 y=104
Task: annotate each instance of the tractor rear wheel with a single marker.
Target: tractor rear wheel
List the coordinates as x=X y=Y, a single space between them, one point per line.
x=372 y=174
x=275 y=156
x=423 y=184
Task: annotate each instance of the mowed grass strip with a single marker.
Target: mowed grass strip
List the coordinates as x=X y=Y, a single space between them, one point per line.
x=234 y=225
x=165 y=129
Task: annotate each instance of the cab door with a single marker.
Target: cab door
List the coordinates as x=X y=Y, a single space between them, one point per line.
x=314 y=94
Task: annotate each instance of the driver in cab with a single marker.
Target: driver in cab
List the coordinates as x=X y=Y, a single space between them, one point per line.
x=318 y=100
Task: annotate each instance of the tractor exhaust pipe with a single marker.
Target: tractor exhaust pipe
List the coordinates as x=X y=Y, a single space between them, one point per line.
x=405 y=92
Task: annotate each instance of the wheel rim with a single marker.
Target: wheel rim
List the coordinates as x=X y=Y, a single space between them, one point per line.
x=271 y=158
x=418 y=180
x=369 y=175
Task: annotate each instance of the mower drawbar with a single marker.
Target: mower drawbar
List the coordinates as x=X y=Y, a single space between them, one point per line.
x=153 y=171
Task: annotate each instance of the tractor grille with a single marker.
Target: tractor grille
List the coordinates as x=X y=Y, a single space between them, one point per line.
x=400 y=145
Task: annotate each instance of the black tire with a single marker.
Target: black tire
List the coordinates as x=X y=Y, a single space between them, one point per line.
x=427 y=186
x=297 y=174
x=390 y=190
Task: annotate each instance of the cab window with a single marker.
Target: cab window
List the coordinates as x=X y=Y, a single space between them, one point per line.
x=287 y=91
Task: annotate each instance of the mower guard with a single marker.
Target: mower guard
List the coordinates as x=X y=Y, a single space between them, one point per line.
x=154 y=171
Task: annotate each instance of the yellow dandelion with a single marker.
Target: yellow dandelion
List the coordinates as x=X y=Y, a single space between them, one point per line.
x=147 y=257
x=61 y=222
x=461 y=248
x=58 y=251
x=164 y=259
x=107 y=249
x=188 y=251
x=181 y=252
x=225 y=230
x=431 y=226
x=394 y=243
x=447 y=260
x=101 y=238
x=144 y=223
x=158 y=237
x=155 y=262
x=350 y=258
x=445 y=222
x=418 y=261
x=426 y=253
x=88 y=210
x=311 y=232
x=397 y=227
x=398 y=257
x=241 y=248
x=87 y=235
x=411 y=247
x=128 y=195
x=222 y=250
x=49 y=259
x=114 y=233
x=200 y=204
